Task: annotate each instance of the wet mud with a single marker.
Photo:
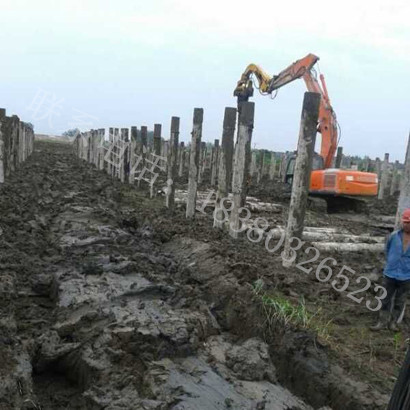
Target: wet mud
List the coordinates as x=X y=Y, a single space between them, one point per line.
x=109 y=301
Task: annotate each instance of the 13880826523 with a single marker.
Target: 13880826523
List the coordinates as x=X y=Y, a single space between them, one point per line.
x=259 y=228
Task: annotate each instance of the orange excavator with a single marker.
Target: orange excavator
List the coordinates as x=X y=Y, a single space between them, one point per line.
x=343 y=189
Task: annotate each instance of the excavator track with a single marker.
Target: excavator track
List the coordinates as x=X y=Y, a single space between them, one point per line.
x=338 y=204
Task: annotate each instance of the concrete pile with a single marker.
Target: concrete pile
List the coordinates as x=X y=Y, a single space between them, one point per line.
x=16 y=143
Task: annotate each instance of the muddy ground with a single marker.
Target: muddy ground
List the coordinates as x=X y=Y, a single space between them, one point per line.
x=109 y=301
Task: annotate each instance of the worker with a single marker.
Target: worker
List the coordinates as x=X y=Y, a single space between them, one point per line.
x=396 y=275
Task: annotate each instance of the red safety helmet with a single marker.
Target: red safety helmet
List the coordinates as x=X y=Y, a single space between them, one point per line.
x=405 y=216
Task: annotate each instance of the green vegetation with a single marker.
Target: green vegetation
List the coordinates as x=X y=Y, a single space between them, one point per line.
x=397 y=343
x=280 y=310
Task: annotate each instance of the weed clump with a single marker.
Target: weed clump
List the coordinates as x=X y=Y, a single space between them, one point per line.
x=279 y=310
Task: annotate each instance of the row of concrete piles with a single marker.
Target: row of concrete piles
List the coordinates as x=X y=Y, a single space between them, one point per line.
x=214 y=163
x=268 y=164
x=213 y=159
x=128 y=151
x=390 y=177
x=229 y=164
x=16 y=143
x=91 y=146
x=123 y=157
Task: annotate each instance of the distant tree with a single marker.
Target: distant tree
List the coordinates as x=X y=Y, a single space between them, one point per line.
x=71 y=133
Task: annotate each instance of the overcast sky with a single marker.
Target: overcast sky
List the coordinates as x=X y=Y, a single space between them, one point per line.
x=95 y=64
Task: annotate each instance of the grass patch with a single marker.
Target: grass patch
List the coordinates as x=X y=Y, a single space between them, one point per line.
x=280 y=310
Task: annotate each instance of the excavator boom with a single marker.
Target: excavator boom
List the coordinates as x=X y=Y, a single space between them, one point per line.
x=296 y=70
x=300 y=69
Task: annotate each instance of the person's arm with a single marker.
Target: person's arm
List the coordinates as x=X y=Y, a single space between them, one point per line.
x=388 y=243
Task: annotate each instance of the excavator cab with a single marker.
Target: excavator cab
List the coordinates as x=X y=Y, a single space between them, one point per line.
x=317 y=163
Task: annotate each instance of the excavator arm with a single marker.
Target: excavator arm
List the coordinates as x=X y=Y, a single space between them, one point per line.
x=300 y=69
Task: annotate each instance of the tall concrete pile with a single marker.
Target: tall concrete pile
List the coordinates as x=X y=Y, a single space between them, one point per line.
x=16 y=143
